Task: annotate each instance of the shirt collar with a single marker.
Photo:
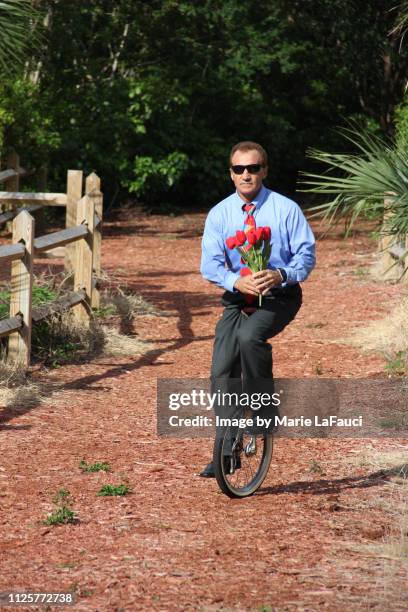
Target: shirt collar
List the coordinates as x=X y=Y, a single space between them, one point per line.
x=258 y=200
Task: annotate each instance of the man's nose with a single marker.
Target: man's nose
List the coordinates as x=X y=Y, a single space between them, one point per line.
x=246 y=174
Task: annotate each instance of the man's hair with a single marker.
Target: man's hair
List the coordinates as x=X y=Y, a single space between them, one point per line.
x=248 y=145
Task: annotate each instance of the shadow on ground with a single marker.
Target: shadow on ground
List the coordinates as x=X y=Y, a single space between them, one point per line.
x=325 y=487
x=180 y=306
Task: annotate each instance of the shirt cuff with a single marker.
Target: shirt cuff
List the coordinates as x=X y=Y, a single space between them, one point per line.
x=283 y=274
x=230 y=279
x=290 y=277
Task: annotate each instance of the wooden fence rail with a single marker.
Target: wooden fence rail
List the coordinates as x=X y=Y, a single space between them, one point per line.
x=13 y=172
x=45 y=199
x=8 y=326
x=82 y=240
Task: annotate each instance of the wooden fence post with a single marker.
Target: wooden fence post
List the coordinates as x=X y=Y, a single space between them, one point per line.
x=84 y=259
x=385 y=242
x=41 y=186
x=92 y=189
x=13 y=183
x=19 y=346
x=74 y=193
x=390 y=269
x=13 y=163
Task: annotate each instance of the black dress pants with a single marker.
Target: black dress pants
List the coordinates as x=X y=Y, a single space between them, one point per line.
x=242 y=357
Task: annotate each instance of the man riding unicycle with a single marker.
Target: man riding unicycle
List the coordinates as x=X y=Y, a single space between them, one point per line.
x=242 y=357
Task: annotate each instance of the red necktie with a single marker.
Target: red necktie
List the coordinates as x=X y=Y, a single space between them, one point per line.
x=249 y=224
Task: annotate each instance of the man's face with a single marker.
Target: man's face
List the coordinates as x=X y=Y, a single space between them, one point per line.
x=247 y=184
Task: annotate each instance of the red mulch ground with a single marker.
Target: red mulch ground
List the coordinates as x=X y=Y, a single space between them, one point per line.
x=177 y=543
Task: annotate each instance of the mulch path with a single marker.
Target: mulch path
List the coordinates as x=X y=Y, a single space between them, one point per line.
x=303 y=542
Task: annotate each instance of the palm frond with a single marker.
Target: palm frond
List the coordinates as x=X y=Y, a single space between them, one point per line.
x=16 y=30
x=401 y=25
x=358 y=184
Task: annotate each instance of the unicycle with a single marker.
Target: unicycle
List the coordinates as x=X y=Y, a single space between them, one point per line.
x=241 y=461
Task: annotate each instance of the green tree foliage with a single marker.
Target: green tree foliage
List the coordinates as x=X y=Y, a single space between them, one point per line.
x=354 y=184
x=152 y=95
x=402 y=126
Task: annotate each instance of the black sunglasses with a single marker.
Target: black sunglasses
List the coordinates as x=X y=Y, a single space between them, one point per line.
x=252 y=169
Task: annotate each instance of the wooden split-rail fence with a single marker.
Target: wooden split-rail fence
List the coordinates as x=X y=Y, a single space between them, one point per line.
x=81 y=237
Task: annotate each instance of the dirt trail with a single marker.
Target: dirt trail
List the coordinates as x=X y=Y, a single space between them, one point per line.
x=176 y=543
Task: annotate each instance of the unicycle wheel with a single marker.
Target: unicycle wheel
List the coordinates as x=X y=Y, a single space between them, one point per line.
x=241 y=463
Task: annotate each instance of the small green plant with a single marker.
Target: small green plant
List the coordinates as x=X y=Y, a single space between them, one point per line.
x=45 y=346
x=105 y=311
x=61 y=354
x=360 y=272
x=315 y=468
x=399 y=421
x=63 y=513
x=43 y=295
x=4 y=304
x=61 y=516
x=109 y=489
x=94 y=467
x=397 y=366
x=66 y=565
x=61 y=496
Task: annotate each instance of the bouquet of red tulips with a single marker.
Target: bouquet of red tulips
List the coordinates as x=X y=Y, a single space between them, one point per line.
x=256 y=253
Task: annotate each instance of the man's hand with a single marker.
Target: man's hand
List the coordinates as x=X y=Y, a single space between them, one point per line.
x=246 y=284
x=266 y=279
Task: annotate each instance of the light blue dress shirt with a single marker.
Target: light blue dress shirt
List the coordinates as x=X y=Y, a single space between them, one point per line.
x=293 y=243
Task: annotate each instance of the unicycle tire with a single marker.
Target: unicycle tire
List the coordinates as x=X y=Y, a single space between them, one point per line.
x=248 y=470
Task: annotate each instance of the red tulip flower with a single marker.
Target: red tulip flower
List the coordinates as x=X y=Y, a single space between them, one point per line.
x=259 y=232
x=251 y=237
x=245 y=272
x=240 y=237
x=231 y=242
x=266 y=233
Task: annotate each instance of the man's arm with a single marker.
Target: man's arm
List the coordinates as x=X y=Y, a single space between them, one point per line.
x=302 y=247
x=213 y=254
